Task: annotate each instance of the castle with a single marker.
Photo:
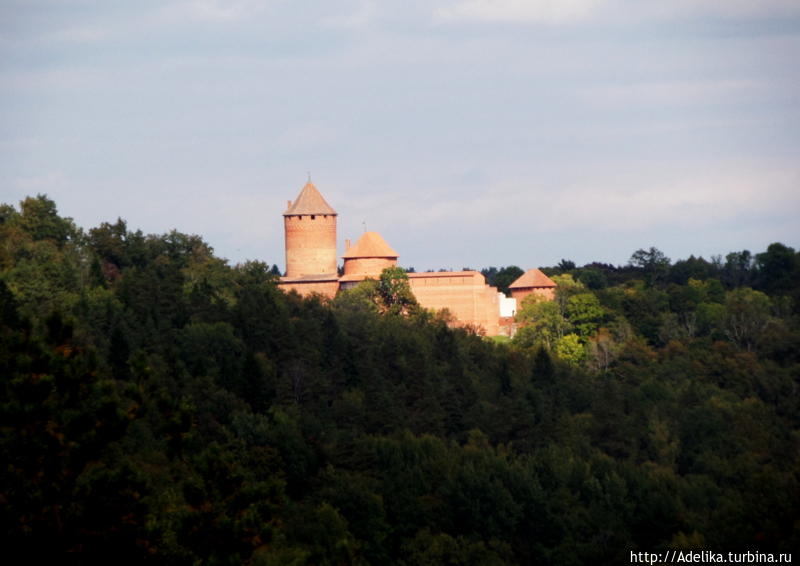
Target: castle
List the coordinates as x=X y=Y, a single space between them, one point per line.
x=311 y=267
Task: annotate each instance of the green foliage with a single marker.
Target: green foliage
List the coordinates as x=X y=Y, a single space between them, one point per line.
x=691 y=268
x=390 y=294
x=566 y=288
x=503 y=277
x=747 y=314
x=778 y=269
x=593 y=279
x=652 y=263
x=39 y=218
x=543 y=323
x=394 y=292
x=739 y=268
x=60 y=421
x=160 y=405
x=584 y=313
x=570 y=349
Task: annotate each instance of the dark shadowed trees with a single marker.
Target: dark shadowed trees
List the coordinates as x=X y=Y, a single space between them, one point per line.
x=165 y=407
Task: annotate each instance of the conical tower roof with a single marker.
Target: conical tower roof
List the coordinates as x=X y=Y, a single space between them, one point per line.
x=370 y=244
x=309 y=201
x=532 y=278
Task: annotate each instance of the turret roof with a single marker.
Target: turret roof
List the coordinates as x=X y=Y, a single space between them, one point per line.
x=370 y=244
x=309 y=201
x=532 y=278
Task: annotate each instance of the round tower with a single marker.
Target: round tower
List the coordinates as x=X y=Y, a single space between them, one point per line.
x=310 y=235
x=369 y=256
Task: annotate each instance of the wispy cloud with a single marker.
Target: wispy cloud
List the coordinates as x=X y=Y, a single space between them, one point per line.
x=41 y=183
x=560 y=12
x=520 y=11
x=82 y=34
x=654 y=199
x=299 y=137
x=716 y=8
x=360 y=18
x=219 y=10
x=605 y=213
x=435 y=121
x=672 y=93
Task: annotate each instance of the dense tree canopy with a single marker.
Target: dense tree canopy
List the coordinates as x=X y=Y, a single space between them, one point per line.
x=159 y=405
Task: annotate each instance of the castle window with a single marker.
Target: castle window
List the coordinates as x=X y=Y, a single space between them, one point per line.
x=312 y=217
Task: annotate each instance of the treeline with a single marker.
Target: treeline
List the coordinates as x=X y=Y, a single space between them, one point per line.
x=159 y=405
x=773 y=271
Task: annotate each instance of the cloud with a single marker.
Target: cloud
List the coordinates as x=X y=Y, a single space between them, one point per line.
x=39 y=183
x=81 y=34
x=218 y=10
x=358 y=19
x=565 y=12
x=668 y=93
x=613 y=200
x=520 y=11
x=719 y=8
x=660 y=197
x=391 y=104
x=300 y=137
x=595 y=214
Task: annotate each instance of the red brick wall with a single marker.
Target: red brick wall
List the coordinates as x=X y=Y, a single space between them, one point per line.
x=507 y=326
x=548 y=293
x=310 y=244
x=324 y=288
x=465 y=294
x=369 y=266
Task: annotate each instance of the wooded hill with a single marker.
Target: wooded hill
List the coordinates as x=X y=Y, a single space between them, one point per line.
x=159 y=405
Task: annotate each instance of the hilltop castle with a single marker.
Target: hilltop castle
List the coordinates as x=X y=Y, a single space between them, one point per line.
x=311 y=267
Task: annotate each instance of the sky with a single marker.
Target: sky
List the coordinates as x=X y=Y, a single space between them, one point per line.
x=469 y=133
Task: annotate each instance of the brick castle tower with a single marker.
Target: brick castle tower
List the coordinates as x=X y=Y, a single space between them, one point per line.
x=310 y=235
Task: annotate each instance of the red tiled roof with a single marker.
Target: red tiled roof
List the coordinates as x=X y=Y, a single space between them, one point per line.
x=532 y=278
x=309 y=201
x=370 y=244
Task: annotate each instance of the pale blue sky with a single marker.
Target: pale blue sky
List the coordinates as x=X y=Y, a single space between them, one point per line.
x=467 y=132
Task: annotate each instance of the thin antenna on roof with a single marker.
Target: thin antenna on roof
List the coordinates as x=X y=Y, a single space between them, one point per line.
x=309 y=176
x=364 y=223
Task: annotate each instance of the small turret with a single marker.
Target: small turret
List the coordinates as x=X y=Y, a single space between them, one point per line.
x=368 y=257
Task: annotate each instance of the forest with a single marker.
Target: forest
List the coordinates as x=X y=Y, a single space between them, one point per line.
x=162 y=406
